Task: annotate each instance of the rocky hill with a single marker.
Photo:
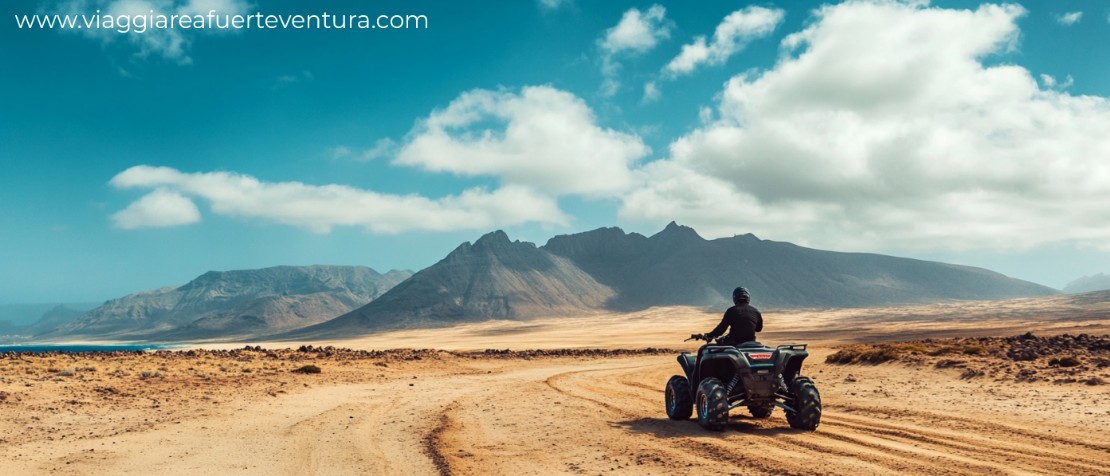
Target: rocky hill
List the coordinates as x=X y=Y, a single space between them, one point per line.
x=235 y=303
x=1088 y=284
x=608 y=269
x=677 y=266
x=56 y=317
x=492 y=278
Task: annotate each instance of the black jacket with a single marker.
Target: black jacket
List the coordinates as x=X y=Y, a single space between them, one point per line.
x=742 y=321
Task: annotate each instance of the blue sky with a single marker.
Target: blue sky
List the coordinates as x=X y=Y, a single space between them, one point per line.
x=960 y=131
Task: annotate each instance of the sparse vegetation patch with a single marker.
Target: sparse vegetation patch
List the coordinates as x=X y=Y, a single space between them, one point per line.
x=1061 y=359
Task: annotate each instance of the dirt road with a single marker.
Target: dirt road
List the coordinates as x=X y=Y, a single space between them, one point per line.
x=227 y=413
x=590 y=416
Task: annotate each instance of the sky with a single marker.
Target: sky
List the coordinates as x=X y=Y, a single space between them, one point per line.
x=966 y=132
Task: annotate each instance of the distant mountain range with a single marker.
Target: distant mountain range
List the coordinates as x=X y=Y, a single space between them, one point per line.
x=608 y=269
x=233 y=303
x=56 y=317
x=25 y=314
x=1088 y=284
x=19 y=321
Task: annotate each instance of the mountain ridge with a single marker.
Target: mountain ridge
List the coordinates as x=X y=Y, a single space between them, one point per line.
x=607 y=269
x=1086 y=284
x=491 y=278
x=237 y=302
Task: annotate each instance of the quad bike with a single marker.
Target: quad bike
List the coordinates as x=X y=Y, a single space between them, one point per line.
x=747 y=375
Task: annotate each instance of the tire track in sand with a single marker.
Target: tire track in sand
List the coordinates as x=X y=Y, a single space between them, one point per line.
x=581 y=416
x=855 y=442
x=434 y=441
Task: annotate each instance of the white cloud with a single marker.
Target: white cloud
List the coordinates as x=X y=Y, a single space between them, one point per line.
x=540 y=143
x=340 y=152
x=384 y=147
x=287 y=79
x=171 y=44
x=1070 y=18
x=651 y=92
x=731 y=36
x=542 y=138
x=883 y=128
x=637 y=32
x=1050 y=82
x=158 y=209
x=705 y=115
x=320 y=208
x=552 y=4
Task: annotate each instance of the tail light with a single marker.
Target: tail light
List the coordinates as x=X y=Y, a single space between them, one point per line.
x=760 y=356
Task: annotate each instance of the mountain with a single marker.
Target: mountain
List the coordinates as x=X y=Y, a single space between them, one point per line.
x=608 y=269
x=1088 y=284
x=493 y=278
x=235 y=303
x=677 y=266
x=31 y=319
x=25 y=314
x=56 y=317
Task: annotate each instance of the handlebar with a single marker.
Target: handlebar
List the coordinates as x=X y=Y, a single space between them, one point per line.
x=698 y=337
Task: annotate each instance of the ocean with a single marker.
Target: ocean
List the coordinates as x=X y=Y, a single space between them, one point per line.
x=39 y=348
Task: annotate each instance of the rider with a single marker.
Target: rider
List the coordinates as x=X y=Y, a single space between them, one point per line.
x=742 y=320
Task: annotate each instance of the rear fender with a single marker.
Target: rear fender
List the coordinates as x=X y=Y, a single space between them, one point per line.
x=721 y=364
x=790 y=361
x=689 y=364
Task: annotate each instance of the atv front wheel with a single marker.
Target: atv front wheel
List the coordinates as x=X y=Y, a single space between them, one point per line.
x=761 y=411
x=679 y=406
x=807 y=405
x=712 y=405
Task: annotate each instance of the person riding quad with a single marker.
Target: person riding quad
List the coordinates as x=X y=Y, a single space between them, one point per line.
x=742 y=320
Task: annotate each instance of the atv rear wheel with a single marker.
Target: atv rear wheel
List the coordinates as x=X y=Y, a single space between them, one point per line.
x=761 y=411
x=679 y=405
x=712 y=405
x=807 y=405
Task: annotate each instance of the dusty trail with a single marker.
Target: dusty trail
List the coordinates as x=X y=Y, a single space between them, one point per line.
x=567 y=415
x=583 y=414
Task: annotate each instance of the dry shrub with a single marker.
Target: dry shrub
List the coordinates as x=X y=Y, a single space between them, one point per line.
x=972 y=373
x=974 y=350
x=876 y=353
x=948 y=363
x=941 y=351
x=1064 y=362
x=862 y=354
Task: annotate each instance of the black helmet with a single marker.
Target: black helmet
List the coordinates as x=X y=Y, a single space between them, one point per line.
x=741 y=294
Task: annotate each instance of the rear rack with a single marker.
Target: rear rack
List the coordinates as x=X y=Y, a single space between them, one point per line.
x=792 y=346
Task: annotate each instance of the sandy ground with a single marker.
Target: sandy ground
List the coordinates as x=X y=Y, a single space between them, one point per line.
x=431 y=412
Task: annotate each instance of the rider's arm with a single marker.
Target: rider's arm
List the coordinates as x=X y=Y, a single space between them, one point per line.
x=758 y=321
x=720 y=329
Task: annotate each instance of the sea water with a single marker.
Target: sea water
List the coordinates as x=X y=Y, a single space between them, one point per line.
x=39 y=348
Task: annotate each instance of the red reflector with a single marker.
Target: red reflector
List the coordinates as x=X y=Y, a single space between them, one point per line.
x=759 y=356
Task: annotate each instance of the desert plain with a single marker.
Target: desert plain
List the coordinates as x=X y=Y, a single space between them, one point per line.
x=965 y=388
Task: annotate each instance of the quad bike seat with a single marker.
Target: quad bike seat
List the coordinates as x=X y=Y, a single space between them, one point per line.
x=750 y=345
